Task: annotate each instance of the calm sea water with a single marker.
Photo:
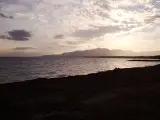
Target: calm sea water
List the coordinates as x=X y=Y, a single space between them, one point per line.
x=20 y=69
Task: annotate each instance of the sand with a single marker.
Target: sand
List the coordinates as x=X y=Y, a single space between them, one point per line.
x=127 y=94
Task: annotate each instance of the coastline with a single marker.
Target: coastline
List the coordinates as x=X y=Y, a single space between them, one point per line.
x=129 y=93
x=145 y=60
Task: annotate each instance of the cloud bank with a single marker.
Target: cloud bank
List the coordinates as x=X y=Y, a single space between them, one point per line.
x=17 y=35
x=24 y=48
x=102 y=22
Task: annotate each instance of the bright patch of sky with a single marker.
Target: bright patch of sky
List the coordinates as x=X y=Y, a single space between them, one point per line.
x=37 y=27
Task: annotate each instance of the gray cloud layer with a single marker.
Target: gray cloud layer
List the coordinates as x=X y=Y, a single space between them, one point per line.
x=97 y=31
x=150 y=20
x=24 y=48
x=17 y=35
x=83 y=20
x=59 y=36
x=5 y=16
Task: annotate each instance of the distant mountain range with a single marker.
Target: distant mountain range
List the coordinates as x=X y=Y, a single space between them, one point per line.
x=99 y=52
x=103 y=52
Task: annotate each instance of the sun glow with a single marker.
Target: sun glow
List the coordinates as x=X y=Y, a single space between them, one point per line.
x=65 y=25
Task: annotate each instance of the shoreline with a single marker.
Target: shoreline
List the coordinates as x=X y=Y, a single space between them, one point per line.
x=128 y=93
x=62 y=77
x=145 y=60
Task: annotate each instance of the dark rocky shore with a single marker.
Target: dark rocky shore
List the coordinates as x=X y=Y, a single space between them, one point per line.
x=127 y=94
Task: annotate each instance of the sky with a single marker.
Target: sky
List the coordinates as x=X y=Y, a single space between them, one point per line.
x=41 y=27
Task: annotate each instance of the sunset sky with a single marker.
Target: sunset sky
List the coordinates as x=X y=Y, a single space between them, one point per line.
x=38 y=27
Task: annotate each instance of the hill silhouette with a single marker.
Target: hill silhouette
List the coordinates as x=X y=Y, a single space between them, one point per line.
x=103 y=52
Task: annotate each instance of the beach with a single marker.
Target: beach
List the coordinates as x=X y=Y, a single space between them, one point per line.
x=128 y=94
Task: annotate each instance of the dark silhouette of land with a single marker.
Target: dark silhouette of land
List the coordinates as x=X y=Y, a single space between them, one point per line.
x=90 y=53
x=127 y=94
x=146 y=60
x=133 y=57
x=107 y=53
x=103 y=52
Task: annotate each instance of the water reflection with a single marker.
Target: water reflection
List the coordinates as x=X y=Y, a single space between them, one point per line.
x=19 y=69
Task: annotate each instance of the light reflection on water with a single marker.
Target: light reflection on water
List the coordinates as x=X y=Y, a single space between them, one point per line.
x=19 y=69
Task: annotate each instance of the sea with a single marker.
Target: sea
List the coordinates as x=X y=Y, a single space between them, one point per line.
x=20 y=69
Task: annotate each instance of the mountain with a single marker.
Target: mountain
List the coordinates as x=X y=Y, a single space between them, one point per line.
x=103 y=52
x=100 y=52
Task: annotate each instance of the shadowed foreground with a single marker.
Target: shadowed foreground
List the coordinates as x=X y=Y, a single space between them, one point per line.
x=128 y=94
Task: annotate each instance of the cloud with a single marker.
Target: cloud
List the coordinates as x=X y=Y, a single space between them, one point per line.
x=76 y=42
x=17 y=35
x=24 y=48
x=103 y=4
x=27 y=3
x=97 y=31
x=3 y=37
x=113 y=18
x=5 y=16
x=59 y=36
x=9 y=1
x=151 y=19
